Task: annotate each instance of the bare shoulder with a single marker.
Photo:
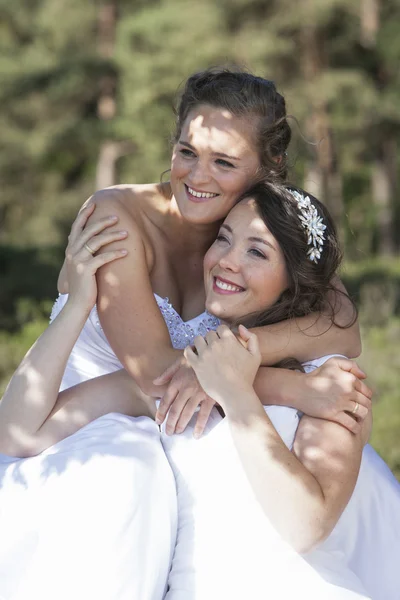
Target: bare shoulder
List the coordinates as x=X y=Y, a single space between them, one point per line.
x=136 y=200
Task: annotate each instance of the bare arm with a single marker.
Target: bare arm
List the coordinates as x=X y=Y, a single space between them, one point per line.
x=303 y=492
x=312 y=336
x=128 y=311
x=33 y=390
x=330 y=392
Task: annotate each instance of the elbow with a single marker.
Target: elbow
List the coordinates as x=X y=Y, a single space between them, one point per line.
x=309 y=539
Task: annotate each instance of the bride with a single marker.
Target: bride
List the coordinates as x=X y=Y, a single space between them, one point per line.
x=268 y=268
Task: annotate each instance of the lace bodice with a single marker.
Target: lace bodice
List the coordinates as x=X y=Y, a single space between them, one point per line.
x=182 y=333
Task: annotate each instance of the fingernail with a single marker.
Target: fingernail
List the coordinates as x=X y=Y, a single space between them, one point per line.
x=113 y=217
x=122 y=233
x=124 y=251
x=196 y=435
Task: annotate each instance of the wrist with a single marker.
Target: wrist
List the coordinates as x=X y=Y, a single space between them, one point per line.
x=241 y=405
x=75 y=311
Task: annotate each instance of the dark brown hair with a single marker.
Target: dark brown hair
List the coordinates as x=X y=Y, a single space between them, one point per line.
x=245 y=96
x=311 y=288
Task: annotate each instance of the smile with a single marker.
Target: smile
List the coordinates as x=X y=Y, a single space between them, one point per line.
x=224 y=286
x=197 y=194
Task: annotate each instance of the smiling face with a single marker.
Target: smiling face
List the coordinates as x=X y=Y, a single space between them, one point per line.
x=213 y=162
x=244 y=270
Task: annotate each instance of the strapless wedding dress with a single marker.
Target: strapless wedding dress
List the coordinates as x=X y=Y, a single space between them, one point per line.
x=95 y=515
x=361 y=554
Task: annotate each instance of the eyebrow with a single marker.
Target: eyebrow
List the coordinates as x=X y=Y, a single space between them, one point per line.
x=220 y=154
x=251 y=238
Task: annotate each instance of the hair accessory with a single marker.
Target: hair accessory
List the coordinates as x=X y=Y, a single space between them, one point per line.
x=312 y=223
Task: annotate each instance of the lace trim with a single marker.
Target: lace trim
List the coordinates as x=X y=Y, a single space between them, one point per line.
x=182 y=334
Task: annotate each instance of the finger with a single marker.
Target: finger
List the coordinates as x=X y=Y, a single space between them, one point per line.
x=250 y=339
x=98 y=241
x=165 y=404
x=92 y=231
x=365 y=390
x=200 y=344
x=168 y=374
x=202 y=418
x=351 y=367
x=191 y=356
x=175 y=411
x=356 y=409
x=211 y=336
x=188 y=412
x=348 y=422
x=223 y=331
x=80 y=221
x=107 y=257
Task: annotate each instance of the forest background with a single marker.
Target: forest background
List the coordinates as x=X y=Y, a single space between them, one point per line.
x=86 y=90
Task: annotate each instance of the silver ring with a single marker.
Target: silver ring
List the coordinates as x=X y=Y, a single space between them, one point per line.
x=88 y=248
x=355 y=409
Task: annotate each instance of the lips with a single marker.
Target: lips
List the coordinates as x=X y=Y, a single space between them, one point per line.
x=199 y=196
x=223 y=286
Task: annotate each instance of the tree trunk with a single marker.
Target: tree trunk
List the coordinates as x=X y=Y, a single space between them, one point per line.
x=383 y=185
x=106 y=104
x=324 y=170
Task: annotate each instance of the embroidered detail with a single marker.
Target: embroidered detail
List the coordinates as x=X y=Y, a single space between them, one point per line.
x=182 y=334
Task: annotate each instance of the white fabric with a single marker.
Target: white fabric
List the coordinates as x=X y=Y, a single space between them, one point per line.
x=55 y=513
x=94 y=516
x=226 y=546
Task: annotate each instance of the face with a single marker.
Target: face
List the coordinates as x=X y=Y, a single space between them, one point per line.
x=214 y=161
x=244 y=270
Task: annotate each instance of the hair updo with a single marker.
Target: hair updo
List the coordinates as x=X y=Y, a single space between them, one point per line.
x=310 y=283
x=243 y=95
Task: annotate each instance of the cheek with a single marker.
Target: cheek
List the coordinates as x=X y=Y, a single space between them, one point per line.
x=209 y=261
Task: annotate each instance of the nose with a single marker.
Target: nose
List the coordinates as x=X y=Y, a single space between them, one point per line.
x=229 y=261
x=199 y=173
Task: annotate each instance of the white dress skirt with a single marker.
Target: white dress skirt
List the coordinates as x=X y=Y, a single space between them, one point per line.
x=92 y=517
x=95 y=516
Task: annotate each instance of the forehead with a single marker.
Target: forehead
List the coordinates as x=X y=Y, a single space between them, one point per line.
x=245 y=216
x=210 y=126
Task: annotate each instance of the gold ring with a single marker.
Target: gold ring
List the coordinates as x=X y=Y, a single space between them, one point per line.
x=355 y=409
x=88 y=248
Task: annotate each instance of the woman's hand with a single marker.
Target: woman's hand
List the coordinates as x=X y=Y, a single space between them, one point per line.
x=336 y=392
x=225 y=366
x=81 y=264
x=180 y=401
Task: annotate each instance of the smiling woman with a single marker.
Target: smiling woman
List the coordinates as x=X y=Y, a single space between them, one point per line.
x=231 y=131
x=245 y=265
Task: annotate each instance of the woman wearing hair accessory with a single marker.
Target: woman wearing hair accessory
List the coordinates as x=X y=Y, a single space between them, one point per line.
x=231 y=130
x=261 y=477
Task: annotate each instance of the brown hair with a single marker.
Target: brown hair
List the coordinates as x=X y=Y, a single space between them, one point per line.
x=245 y=96
x=310 y=284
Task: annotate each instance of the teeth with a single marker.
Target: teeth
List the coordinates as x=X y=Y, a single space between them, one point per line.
x=226 y=286
x=201 y=194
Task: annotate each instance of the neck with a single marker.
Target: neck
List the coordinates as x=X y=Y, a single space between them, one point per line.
x=195 y=238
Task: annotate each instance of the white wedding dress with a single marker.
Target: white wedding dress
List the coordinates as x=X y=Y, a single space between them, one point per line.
x=94 y=516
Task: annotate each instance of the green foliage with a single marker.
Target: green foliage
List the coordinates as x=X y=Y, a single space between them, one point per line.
x=53 y=73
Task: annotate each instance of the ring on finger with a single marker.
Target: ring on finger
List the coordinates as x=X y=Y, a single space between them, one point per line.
x=89 y=249
x=355 y=409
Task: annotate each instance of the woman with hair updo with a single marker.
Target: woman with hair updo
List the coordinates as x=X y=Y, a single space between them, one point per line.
x=262 y=486
x=231 y=131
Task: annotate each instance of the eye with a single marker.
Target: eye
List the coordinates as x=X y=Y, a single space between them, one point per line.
x=225 y=163
x=221 y=238
x=257 y=253
x=187 y=153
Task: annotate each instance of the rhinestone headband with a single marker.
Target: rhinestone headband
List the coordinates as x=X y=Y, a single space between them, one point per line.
x=312 y=223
